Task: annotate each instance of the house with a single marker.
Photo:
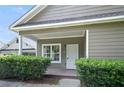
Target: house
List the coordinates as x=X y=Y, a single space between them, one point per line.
x=68 y=32
x=12 y=47
x=1 y=44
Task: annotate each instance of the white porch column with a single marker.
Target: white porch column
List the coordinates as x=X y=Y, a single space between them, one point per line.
x=20 y=45
x=37 y=48
x=87 y=43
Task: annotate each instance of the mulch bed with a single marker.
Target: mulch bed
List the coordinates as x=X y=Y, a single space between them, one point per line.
x=48 y=79
x=45 y=80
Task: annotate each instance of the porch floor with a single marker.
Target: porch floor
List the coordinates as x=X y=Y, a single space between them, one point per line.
x=61 y=72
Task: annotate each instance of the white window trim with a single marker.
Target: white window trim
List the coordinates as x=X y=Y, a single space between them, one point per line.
x=59 y=50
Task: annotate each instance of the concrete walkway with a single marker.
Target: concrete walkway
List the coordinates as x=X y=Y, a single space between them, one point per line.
x=61 y=72
x=62 y=83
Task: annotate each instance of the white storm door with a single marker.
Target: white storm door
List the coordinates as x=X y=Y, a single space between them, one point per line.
x=71 y=55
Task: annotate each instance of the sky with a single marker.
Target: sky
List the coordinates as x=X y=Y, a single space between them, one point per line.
x=8 y=15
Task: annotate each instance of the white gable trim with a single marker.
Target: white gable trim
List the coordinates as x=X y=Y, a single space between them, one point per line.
x=29 y=15
x=72 y=23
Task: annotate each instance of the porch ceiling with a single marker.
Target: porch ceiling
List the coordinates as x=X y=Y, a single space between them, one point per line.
x=50 y=35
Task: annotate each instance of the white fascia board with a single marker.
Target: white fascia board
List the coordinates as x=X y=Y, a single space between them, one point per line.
x=29 y=15
x=72 y=23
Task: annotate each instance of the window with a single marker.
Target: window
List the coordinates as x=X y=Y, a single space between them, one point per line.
x=52 y=51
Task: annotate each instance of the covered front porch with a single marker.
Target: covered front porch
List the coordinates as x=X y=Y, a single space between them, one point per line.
x=63 y=45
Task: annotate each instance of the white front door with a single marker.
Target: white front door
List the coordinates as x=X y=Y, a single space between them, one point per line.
x=71 y=55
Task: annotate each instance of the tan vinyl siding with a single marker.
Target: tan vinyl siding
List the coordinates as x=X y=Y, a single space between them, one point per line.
x=106 y=40
x=54 y=12
x=63 y=41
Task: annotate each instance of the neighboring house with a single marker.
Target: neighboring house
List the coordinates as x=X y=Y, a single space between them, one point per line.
x=12 y=48
x=1 y=44
x=65 y=33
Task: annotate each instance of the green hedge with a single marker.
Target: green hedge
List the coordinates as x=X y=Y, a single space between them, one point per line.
x=23 y=67
x=101 y=72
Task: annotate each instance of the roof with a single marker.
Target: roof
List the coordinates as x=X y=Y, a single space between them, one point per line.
x=74 y=19
x=82 y=20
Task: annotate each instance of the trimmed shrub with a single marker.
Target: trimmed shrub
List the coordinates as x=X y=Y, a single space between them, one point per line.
x=100 y=72
x=23 y=67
